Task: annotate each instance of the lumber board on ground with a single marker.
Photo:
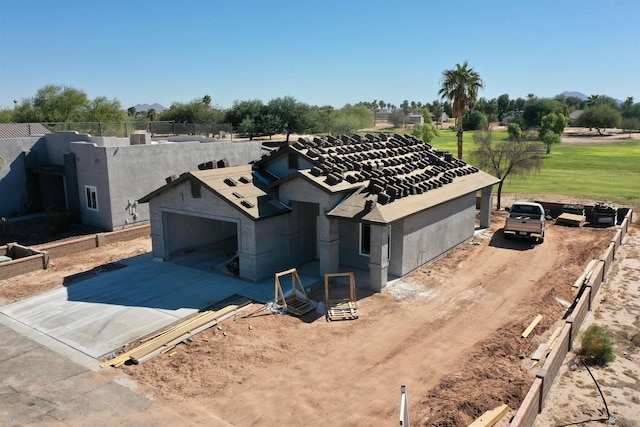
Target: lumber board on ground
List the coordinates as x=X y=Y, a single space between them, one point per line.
x=585 y=274
x=490 y=417
x=553 y=338
x=531 y=326
x=176 y=334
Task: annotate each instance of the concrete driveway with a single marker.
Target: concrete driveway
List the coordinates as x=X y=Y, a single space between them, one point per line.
x=103 y=313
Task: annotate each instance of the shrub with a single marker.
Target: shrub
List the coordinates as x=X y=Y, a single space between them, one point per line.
x=597 y=345
x=59 y=220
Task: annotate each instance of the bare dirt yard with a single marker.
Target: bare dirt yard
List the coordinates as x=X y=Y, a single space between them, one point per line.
x=450 y=331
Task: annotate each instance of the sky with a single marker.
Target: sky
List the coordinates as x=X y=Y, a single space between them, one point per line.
x=322 y=52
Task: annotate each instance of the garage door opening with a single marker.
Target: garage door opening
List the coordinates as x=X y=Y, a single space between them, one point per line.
x=203 y=243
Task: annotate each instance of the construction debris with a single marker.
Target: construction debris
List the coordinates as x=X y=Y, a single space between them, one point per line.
x=168 y=339
x=531 y=326
x=491 y=417
x=572 y=216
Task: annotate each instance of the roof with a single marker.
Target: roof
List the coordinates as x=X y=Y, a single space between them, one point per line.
x=22 y=130
x=390 y=177
x=236 y=186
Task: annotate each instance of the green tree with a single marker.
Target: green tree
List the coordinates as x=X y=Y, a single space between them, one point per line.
x=152 y=114
x=53 y=103
x=515 y=131
x=536 y=108
x=6 y=115
x=600 y=117
x=474 y=120
x=131 y=112
x=206 y=100
x=506 y=157
x=195 y=111
x=630 y=124
x=270 y=124
x=425 y=132
x=240 y=110
x=503 y=105
x=350 y=119
x=460 y=86
x=593 y=100
x=292 y=114
x=426 y=114
x=397 y=118
x=102 y=109
x=551 y=128
x=250 y=127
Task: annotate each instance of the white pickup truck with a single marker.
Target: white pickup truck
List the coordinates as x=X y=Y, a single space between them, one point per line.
x=525 y=220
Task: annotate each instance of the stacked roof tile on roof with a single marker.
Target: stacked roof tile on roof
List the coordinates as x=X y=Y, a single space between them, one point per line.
x=391 y=167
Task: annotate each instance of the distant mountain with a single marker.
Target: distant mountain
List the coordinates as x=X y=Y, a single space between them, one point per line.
x=580 y=95
x=146 y=107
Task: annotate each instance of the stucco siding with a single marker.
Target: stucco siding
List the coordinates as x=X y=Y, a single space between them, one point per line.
x=429 y=234
x=13 y=173
x=350 y=246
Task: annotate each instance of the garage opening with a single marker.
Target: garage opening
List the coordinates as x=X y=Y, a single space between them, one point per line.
x=199 y=242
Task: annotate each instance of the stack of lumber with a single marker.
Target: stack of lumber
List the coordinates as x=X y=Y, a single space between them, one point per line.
x=572 y=216
x=170 y=337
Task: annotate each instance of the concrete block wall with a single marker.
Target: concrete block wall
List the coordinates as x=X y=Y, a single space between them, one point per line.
x=545 y=377
x=38 y=259
x=70 y=247
x=20 y=266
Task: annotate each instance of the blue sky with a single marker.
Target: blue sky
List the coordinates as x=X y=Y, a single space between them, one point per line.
x=321 y=52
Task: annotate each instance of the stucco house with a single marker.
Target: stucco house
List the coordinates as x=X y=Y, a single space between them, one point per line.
x=381 y=203
x=99 y=179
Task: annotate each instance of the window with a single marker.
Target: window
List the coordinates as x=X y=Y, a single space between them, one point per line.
x=92 y=197
x=365 y=239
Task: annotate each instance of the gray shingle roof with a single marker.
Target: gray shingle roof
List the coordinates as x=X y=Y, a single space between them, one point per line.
x=22 y=130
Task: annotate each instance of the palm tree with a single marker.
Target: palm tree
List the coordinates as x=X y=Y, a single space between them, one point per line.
x=628 y=102
x=593 y=100
x=131 y=111
x=460 y=85
x=206 y=100
x=152 y=114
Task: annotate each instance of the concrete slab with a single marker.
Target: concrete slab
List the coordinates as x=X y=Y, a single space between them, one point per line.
x=40 y=387
x=103 y=313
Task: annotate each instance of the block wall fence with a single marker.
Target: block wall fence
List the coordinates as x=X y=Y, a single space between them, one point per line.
x=33 y=259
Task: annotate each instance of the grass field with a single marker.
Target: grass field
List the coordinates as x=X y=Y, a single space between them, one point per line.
x=606 y=172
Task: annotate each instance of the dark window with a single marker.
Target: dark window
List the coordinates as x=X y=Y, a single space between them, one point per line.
x=365 y=239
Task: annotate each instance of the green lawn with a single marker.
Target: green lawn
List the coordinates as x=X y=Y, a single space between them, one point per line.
x=608 y=172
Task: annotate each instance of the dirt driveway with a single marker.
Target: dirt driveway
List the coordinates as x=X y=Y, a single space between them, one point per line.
x=450 y=332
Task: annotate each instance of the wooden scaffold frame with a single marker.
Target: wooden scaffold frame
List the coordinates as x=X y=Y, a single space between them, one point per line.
x=294 y=304
x=344 y=308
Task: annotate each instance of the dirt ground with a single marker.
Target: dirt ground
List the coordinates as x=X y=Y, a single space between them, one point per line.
x=450 y=332
x=62 y=270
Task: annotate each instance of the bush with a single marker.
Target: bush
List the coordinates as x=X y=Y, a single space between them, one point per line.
x=59 y=220
x=597 y=345
x=474 y=120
